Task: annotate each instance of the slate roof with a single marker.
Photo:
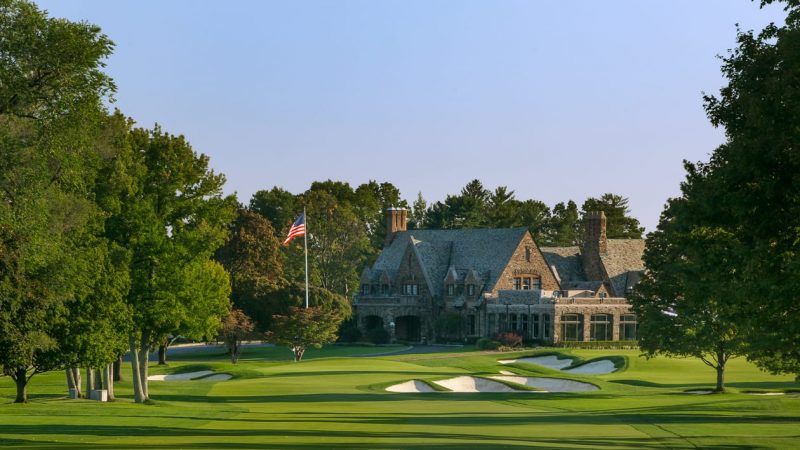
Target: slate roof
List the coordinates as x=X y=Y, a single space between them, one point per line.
x=568 y=263
x=486 y=251
x=624 y=256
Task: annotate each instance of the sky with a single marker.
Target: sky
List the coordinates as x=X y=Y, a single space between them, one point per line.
x=557 y=100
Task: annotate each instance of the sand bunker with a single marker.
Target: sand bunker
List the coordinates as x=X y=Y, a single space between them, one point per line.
x=594 y=368
x=600 y=367
x=506 y=372
x=411 y=386
x=475 y=384
x=765 y=393
x=549 y=384
x=700 y=392
x=191 y=376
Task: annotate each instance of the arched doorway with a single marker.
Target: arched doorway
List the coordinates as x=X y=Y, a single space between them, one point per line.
x=372 y=322
x=407 y=328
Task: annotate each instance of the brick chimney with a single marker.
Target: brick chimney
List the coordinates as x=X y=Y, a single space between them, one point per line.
x=395 y=222
x=595 y=245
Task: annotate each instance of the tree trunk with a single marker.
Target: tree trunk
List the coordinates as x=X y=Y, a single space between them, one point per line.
x=98 y=379
x=722 y=359
x=108 y=381
x=298 y=353
x=144 y=357
x=70 y=381
x=162 y=354
x=89 y=381
x=21 y=379
x=118 y=369
x=76 y=375
x=138 y=395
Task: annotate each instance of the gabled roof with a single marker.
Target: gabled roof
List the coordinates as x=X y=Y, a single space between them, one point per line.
x=624 y=255
x=567 y=262
x=486 y=251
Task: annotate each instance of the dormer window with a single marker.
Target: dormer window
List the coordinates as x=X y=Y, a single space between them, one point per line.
x=451 y=289
x=365 y=289
x=470 y=289
x=384 y=289
x=526 y=284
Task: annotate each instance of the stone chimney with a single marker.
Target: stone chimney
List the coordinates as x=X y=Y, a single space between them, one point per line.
x=395 y=222
x=595 y=245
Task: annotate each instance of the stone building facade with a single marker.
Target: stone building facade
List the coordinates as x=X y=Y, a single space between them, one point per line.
x=489 y=281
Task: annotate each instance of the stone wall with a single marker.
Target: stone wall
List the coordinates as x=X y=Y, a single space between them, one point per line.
x=526 y=261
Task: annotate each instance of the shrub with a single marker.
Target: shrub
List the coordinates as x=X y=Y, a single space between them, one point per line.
x=509 y=339
x=379 y=335
x=349 y=332
x=487 y=344
x=600 y=344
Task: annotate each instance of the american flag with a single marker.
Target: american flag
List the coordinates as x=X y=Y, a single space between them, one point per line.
x=298 y=229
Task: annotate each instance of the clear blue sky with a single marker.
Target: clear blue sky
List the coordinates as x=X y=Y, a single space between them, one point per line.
x=557 y=100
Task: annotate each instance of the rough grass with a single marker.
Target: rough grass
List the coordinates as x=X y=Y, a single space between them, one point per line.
x=337 y=401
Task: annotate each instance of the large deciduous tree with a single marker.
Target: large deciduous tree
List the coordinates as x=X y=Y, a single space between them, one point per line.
x=685 y=301
x=52 y=90
x=173 y=220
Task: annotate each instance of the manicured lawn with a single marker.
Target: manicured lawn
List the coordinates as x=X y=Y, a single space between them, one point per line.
x=339 y=401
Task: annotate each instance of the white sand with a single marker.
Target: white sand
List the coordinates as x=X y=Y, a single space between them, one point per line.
x=474 y=384
x=549 y=384
x=700 y=392
x=505 y=372
x=594 y=368
x=764 y=393
x=180 y=376
x=553 y=362
x=411 y=386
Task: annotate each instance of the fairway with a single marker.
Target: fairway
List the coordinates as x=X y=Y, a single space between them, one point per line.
x=337 y=399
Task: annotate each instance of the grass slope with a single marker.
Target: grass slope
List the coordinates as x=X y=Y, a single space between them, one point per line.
x=338 y=401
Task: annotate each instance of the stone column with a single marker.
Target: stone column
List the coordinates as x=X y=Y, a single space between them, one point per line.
x=615 y=326
x=587 y=327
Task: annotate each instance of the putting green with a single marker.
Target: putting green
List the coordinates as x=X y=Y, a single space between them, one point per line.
x=341 y=401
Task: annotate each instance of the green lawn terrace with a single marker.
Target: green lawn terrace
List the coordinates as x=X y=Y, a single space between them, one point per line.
x=337 y=398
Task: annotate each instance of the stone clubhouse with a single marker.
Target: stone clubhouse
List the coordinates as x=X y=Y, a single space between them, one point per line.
x=500 y=280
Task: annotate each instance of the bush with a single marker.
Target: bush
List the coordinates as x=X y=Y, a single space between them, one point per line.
x=509 y=339
x=487 y=344
x=600 y=344
x=379 y=336
x=349 y=332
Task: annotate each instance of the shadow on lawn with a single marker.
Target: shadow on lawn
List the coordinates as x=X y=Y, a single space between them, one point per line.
x=735 y=385
x=205 y=438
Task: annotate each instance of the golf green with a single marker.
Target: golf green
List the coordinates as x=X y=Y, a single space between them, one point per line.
x=336 y=399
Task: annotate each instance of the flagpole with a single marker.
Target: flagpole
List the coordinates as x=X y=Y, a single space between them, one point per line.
x=305 y=244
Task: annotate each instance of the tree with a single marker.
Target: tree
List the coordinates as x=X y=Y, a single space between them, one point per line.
x=683 y=302
x=418 y=211
x=293 y=294
x=172 y=220
x=236 y=326
x=254 y=263
x=536 y=216
x=563 y=228
x=278 y=205
x=337 y=240
x=502 y=209
x=619 y=224
x=749 y=188
x=302 y=328
x=51 y=107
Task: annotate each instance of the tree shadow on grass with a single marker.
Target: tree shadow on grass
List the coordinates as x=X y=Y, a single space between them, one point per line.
x=735 y=385
x=206 y=438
